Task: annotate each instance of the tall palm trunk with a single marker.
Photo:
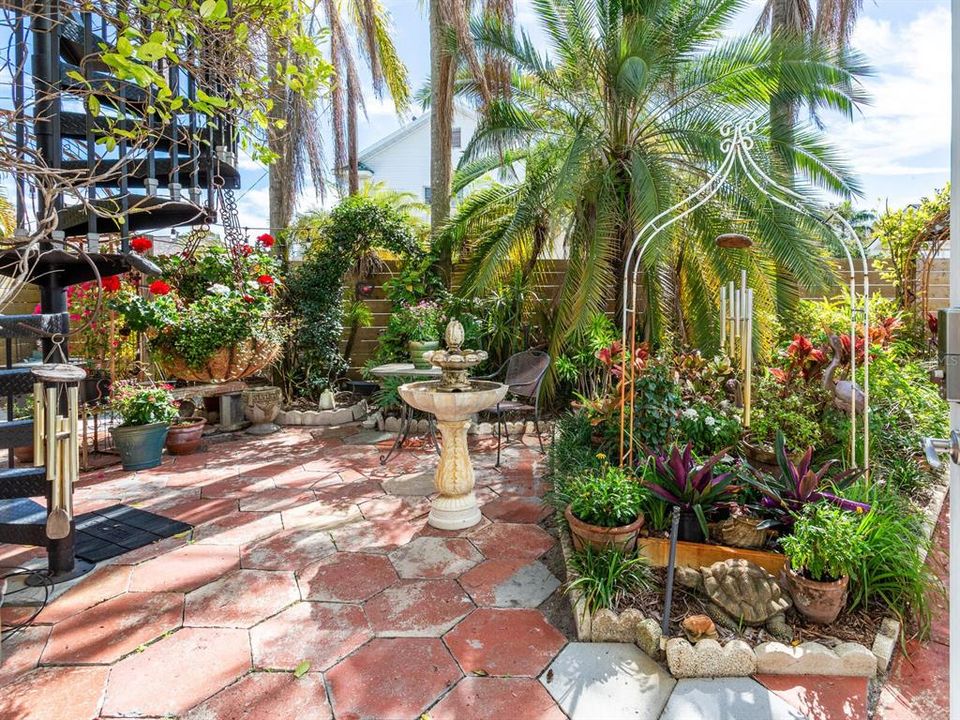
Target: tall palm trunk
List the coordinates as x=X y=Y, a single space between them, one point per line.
x=276 y=143
x=353 y=165
x=442 y=74
x=783 y=108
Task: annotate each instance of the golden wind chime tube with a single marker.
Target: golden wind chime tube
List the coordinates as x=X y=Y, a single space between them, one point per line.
x=736 y=335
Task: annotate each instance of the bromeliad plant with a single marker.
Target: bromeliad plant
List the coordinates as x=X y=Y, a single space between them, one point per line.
x=799 y=484
x=681 y=481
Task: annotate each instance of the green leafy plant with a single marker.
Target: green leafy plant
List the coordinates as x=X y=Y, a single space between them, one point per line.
x=892 y=572
x=709 y=428
x=681 y=480
x=604 y=577
x=142 y=404
x=609 y=498
x=572 y=452
x=825 y=544
x=795 y=409
x=656 y=408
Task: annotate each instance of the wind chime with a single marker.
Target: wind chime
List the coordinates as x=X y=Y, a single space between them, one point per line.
x=56 y=443
x=736 y=335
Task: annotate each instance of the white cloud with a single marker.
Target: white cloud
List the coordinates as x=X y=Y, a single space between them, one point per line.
x=905 y=130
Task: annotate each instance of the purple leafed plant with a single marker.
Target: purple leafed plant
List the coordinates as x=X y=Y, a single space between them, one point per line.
x=681 y=481
x=798 y=484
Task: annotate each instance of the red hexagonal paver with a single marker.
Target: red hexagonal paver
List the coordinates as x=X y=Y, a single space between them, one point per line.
x=376 y=535
x=267 y=695
x=346 y=577
x=277 y=500
x=512 y=540
x=518 y=643
x=434 y=557
x=319 y=633
x=482 y=698
x=509 y=583
x=110 y=630
x=320 y=516
x=180 y=671
x=517 y=509
x=55 y=694
x=101 y=584
x=239 y=528
x=185 y=568
x=288 y=550
x=391 y=678
x=241 y=599
x=21 y=651
x=418 y=608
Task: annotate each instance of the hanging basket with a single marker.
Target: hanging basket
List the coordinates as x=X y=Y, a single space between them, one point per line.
x=230 y=363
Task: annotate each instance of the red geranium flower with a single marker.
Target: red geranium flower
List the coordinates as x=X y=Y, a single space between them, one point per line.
x=249 y=298
x=111 y=284
x=266 y=240
x=265 y=280
x=159 y=287
x=141 y=243
x=244 y=250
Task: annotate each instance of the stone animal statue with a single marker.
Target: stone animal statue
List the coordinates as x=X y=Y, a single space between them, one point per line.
x=741 y=593
x=846 y=393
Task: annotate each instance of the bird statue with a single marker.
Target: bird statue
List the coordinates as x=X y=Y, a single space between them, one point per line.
x=846 y=393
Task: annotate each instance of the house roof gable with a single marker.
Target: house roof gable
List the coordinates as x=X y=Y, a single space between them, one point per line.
x=401 y=133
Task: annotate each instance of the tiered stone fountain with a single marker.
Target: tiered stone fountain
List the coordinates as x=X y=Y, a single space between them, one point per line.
x=453 y=399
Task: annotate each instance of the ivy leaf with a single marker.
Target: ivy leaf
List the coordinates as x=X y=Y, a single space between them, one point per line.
x=302 y=669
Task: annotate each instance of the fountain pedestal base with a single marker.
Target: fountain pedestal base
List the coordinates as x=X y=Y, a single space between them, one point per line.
x=456 y=508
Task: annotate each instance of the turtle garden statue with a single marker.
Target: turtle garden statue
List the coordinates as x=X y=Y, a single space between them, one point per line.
x=741 y=593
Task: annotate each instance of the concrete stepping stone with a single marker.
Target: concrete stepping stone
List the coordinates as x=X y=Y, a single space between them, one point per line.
x=613 y=681
x=509 y=583
x=727 y=699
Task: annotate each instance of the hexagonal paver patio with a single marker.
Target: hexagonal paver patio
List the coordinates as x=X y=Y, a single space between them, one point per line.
x=434 y=557
x=418 y=608
x=510 y=643
x=309 y=632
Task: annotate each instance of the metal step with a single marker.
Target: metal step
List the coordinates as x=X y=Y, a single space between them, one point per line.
x=72 y=270
x=107 y=89
x=136 y=172
x=144 y=213
x=18 y=326
x=16 y=433
x=23 y=482
x=16 y=381
x=73 y=125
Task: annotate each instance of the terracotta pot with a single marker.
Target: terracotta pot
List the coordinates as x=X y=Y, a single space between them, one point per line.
x=24 y=455
x=230 y=363
x=184 y=437
x=599 y=537
x=819 y=602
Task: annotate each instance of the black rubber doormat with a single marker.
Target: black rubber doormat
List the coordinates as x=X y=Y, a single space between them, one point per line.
x=118 y=529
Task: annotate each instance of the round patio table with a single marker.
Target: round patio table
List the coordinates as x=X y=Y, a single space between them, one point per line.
x=404 y=371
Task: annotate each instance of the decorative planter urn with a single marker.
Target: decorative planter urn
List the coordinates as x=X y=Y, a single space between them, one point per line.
x=261 y=407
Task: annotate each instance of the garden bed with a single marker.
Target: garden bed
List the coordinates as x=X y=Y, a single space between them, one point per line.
x=859 y=643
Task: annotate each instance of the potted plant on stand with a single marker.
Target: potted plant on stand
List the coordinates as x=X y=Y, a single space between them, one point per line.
x=145 y=413
x=604 y=509
x=823 y=549
x=421 y=324
x=681 y=481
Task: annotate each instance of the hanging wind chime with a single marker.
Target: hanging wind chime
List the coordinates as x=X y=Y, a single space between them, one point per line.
x=736 y=336
x=56 y=444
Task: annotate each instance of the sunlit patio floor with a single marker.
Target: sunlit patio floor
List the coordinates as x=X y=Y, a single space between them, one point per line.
x=312 y=587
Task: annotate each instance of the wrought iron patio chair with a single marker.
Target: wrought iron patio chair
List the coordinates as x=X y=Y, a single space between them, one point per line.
x=523 y=373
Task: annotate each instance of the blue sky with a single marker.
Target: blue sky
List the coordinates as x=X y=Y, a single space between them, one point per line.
x=899 y=144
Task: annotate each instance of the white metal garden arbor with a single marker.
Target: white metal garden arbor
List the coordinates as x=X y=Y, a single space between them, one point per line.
x=737 y=143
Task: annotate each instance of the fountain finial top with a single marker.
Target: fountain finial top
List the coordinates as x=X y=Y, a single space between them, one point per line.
x=454 y=361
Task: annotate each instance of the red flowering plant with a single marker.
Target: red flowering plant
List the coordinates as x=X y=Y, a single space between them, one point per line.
x=206 y=301
x=800 y=361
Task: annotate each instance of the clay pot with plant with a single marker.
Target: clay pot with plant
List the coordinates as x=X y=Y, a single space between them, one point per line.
x=604 y=509
x=185 y=435
x=824 y=548
x=681 y=481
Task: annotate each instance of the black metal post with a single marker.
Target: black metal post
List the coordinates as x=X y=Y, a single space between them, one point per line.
x=671 y=565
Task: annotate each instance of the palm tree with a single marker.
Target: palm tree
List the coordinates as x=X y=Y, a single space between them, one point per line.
x=369 y=22
x=617 y=123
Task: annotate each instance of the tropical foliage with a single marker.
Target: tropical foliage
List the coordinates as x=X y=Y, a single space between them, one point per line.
x=618 y=121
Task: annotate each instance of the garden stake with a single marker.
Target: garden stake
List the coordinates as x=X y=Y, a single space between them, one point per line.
x=671 y=565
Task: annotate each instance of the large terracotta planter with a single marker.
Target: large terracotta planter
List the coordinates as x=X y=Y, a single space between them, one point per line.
x=819 y=602
x=230 y=363
x=599 y=537
x=416 y=349
x=184 y=437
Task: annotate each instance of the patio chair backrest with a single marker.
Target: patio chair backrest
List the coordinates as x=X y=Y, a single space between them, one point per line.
x=525 y=372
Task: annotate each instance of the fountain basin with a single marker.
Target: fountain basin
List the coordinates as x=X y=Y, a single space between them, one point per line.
x=456 y=506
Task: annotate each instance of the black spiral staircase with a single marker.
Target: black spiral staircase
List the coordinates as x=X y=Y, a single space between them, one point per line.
x=171 y=181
